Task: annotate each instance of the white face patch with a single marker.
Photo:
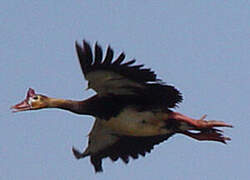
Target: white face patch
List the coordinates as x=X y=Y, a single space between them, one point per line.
x=31 y=99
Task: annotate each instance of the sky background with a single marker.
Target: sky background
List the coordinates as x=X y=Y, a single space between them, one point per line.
x=201 y=47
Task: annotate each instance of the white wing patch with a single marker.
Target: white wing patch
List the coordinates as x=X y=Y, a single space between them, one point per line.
x=105 y=82
x=129 y=123
x=100 y=137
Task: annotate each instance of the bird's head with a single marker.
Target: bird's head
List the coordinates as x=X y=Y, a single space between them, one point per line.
x=32 y=101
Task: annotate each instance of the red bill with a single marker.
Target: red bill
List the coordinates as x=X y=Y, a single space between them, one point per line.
x=26 y=103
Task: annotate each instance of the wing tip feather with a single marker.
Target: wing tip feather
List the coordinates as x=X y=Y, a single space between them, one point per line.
x=128 y=69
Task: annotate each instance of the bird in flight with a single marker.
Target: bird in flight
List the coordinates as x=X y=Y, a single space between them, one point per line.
x=133 y=109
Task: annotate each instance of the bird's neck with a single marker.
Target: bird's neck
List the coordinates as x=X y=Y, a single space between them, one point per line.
x=78 y=107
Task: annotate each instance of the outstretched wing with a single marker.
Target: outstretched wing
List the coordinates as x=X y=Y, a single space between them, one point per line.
x=108 y=76
x=103 y=143
x=126 y=147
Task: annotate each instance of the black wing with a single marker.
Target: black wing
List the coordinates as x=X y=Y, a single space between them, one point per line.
x=125 y=147
x=108 y=76
x=103 y=143
x=113 y=77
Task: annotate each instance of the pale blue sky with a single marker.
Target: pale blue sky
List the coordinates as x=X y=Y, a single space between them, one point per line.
x=202 y=47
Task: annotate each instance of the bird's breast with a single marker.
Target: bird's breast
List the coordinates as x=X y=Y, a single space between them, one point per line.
x=131 y=122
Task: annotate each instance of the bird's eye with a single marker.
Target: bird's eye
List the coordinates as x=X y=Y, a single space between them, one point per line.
x=35 y=98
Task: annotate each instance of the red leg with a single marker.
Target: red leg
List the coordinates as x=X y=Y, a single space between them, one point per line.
x=197 y=124
x=213 y=135
x=206 y=130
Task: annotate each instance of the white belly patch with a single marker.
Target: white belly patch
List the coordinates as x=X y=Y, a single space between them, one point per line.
x=130 y=122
